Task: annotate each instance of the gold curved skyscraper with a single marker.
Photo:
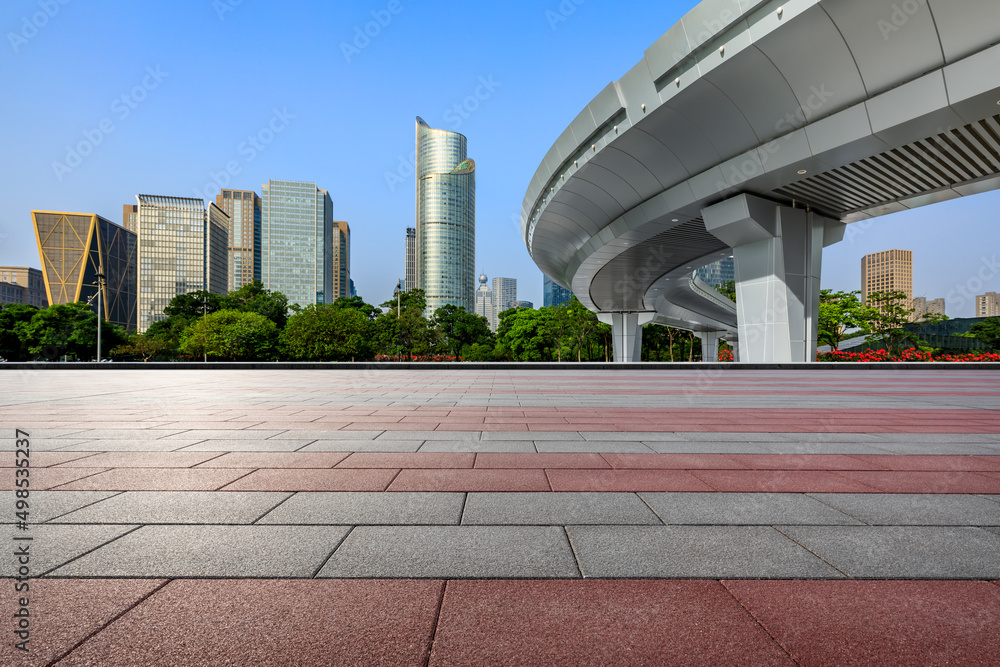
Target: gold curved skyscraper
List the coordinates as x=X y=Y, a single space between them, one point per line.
x=446 y=219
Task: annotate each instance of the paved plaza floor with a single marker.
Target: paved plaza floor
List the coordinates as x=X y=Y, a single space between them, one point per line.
x=581 y=516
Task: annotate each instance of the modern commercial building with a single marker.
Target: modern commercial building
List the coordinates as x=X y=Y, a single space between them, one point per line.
x=74 y=248
x=243 y=209
x=342 y=283
x=718 y=273
x=504 y=294
x=921 y=307
x=182 y=248
x=410 y=262
x=297 y=241
x=522 y=304
x=988 y=305
x=553 y=293
x=22 y=284
x=446 y=218
x=484 y=302
x=887 y=271
x=130 y=217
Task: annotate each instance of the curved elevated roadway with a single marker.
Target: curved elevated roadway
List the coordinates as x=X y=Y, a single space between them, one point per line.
x=760 y=128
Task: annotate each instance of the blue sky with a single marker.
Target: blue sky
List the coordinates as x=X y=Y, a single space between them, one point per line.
x=174 y=98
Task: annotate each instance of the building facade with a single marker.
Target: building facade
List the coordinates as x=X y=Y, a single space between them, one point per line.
x=522 y=304
x=297 y=241
x=504 y=294
x=410 y=260
x=988 y=305
x=554 y=294
x=74 y=248
x=182 y=248
x=484 y=302
x=243 y=209
x=341 y=260
x=923 y=306
x=22 y=284
x=718 y=273
x=887 y=271
x=446 y=218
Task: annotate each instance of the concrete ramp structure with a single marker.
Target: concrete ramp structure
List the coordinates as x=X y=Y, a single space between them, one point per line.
x=761 y=129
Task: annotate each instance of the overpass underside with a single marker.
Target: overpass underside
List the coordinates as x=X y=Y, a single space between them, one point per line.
x=761 y=130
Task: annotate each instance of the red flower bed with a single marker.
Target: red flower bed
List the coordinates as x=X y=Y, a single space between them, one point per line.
x=911 y=354
x=423 y=357
x=725 y=355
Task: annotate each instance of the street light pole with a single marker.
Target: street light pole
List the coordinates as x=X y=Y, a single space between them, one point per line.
x=100 y=312
x=399 y=289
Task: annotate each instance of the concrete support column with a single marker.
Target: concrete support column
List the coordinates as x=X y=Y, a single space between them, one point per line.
x=735 y=344
x=778 y=252
x=626 y=333
x=709 y=344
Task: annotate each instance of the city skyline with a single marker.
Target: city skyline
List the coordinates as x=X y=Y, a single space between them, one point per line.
x=88 y=156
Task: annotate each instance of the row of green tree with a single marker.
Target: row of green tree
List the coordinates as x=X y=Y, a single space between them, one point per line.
x=256 y=324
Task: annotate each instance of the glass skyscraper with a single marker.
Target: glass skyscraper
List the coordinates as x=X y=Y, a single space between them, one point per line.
x=73 y=248
x=410 y=263
x=717 y=273
x=553 y=293
x=182 y=248
x=243 y=208
x=297 y=241
x=341 y=260
x=446 y=219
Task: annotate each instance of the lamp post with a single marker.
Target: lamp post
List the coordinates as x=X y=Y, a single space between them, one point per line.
x=100 y=311
x=204 y=311
x=399 y=290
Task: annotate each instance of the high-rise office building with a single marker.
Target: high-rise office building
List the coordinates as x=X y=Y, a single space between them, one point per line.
x=22 y=284
x=410 y=262
x=341 y=260
x=182 y=248
x=988 y=305
x=717 y=273
x=484 y=302
x=297 y=241
x=888 y=271
x=504 y=293
x=74 y=248
x=446 y=219
x=130 y=217
x=243 y=209
x=922 y=306
x=554 y=294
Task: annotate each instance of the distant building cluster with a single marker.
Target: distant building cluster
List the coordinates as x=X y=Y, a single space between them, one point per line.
x=890 y=271
x=285 y=237
x=22 y=284
x=988 y=305
x=491 y=302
